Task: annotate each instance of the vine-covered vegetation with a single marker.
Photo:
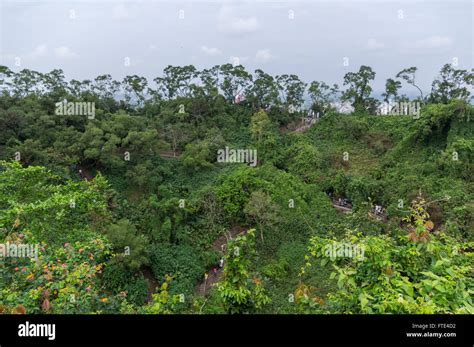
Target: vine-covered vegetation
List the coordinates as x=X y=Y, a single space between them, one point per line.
x=117 y=189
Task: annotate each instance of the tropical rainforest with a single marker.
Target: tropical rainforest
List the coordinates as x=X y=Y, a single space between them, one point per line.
x=129 y=210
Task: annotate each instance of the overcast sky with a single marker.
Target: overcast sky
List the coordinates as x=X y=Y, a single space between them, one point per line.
x=310 y=38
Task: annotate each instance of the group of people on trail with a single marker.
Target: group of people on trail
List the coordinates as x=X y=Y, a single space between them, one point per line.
x=344 y=202
x=310 y=118
x=378 y=209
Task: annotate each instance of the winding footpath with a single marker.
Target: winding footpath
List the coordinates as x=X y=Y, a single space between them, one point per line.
x=219 y=245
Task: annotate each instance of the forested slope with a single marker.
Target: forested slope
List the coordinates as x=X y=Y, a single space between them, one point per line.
x=130 y=207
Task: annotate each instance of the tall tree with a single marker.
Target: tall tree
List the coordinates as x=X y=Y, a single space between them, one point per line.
x=5 y=74
x=235 y=80
x=452 y=84
x=391 y=89
x=26 y=82
x=359 y=88
x=409 y=75
x=80 y=88
x=262 y=210
x=291 y=90
x=210 y=80
x=264 y=91
x=322 y=95
x=135 y=86
x=105 y=87
x=176 y=81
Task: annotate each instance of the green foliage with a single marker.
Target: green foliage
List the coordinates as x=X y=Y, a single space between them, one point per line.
x=235 y=189
x=262 y=211
x=240 y=293
x=359 y=88
x=178 y=261
x=60 y=274
x=131 y=249
x=75 y=195
x=304 y=160
x=414 y=273
x=123 y=281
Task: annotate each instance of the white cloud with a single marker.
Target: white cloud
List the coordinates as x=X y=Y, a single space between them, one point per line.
x=64 y=52
x=373 y=44
x=230 y=23
x=433 y=42
x=211 y=51
x=39 y=51
x=263 y=55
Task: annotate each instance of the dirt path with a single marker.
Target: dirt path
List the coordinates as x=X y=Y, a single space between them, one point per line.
x=337 y=205
x=85 y=173
x=219 y=245
x=299 y=127
x=381 y=217
x=341 y=208
x=152 y=284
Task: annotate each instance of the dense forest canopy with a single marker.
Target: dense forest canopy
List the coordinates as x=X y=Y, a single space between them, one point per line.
x=117 y=189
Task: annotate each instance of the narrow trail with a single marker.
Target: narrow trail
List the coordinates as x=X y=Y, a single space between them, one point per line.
x=85 y=173
x=305 y=126
x=300 y=127
x=341 y=208
x=219 y=245
x=152 y=283
x=345 y=209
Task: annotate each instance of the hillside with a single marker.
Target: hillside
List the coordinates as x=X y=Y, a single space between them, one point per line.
x=132 y=212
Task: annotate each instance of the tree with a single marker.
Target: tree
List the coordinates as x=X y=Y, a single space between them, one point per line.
x=5 y=74
x=131 y=248
x=260 y=126
x=291 y=90
x=135 y=87
x=235 y=80
x=391 y=90
x=359 y=89
x=263 y=133
x=264 y=91
x=408 y=75
x=26 y=82
x=176 y=134
x=176 y=81
x=238 y=291
x=104 y=86
x=452 y=84
x=321 y=96
x=79 y=88
x=210 y=80
x=262 y=211
x=54 y=81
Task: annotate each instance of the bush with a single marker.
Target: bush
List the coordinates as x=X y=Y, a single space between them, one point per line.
x=179 y=261
x=118 y=279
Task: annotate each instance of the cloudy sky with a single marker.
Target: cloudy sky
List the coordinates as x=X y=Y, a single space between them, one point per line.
x=315 y=39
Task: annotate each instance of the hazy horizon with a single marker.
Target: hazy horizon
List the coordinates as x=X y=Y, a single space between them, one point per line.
x=311 y=39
